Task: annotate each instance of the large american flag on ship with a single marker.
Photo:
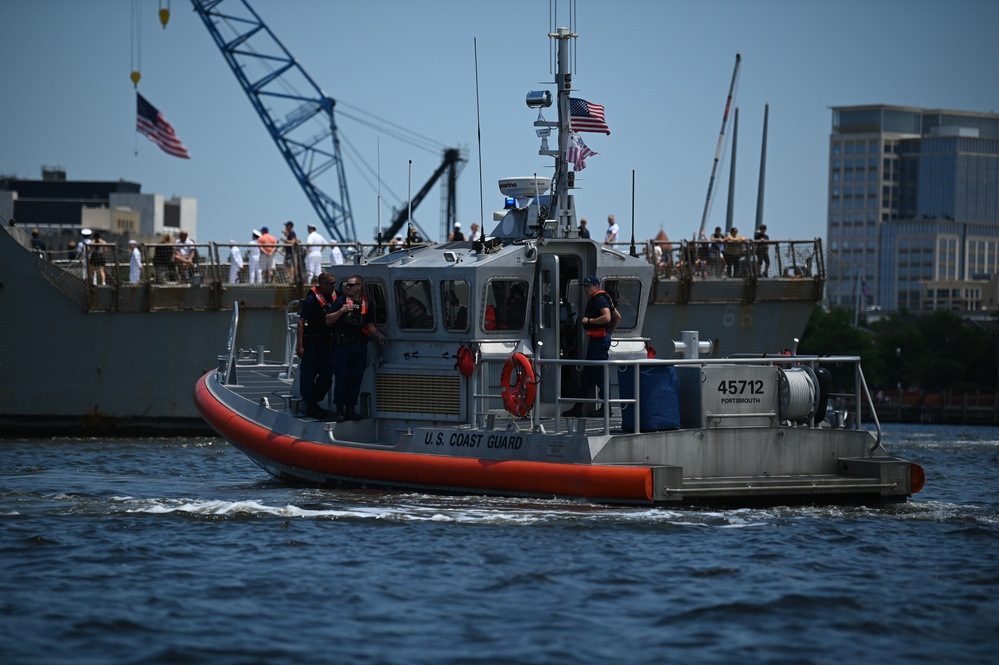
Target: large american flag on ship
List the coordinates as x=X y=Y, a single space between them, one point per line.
x=577 y=152
x=150 y=123
x=586 y=117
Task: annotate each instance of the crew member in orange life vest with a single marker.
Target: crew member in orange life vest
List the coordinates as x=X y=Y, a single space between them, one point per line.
x=596 y=319
x=315 y=346
x=352 y=323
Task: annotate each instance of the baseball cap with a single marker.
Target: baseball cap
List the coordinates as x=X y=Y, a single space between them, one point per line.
x=264 y=229
x=591 y=281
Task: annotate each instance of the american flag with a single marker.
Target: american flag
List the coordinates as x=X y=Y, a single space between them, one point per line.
x=151 y=123
x=577 y=151
x=586 y=117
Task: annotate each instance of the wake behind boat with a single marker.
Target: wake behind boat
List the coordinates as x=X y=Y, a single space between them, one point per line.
x=477 y=390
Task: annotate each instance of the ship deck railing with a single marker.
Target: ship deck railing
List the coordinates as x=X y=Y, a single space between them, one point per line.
x=484 y=399
x=208 y=284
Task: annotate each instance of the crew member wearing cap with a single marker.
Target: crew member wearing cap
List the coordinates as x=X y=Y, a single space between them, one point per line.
x=456 y=234
x=134 y=262
x=596 y=319
x=314 y=255
x=254 y=270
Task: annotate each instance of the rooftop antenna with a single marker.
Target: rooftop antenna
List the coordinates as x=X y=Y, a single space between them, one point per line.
x=478 y=128
x=634 y=252
x=379 y=163
x=409 y=207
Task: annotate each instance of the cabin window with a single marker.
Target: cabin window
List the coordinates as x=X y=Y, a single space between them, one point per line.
x=626 y=294
x=454 y=301
x=378 y=302
x=415 y=305
x=506 y=304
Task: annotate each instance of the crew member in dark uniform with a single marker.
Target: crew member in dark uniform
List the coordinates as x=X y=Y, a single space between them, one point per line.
x=352 y=323
x=315 y=345
x=596 y=320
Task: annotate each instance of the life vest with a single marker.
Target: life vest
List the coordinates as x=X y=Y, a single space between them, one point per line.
x=466 y=361
x=602 y=330
x=323 y=302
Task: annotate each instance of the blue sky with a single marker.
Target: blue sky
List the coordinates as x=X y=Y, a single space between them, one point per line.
x=661 y=69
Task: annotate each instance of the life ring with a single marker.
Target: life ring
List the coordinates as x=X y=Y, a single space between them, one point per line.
x=519 y=385
x=793 y=271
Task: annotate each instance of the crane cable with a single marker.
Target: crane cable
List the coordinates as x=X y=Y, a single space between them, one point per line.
x=136 y=43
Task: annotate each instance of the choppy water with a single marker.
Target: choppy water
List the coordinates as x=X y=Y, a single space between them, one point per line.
x=182 y=551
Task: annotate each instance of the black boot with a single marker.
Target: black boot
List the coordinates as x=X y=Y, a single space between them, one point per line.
x=313 y=410
x=351 y=414
x=340 y=417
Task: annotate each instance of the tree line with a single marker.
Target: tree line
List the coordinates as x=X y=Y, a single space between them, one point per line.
x=928 y=352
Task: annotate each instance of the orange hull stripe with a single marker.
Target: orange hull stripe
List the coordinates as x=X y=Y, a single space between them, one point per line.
x=539 y=478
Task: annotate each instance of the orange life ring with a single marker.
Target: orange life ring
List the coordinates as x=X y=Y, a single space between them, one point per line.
x=519 y=385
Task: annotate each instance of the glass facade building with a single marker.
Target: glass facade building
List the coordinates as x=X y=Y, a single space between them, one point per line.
x=913 y=203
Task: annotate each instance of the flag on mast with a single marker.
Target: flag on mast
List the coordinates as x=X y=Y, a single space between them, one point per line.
x=577 y=152
x=151 y=124
x=586 y=117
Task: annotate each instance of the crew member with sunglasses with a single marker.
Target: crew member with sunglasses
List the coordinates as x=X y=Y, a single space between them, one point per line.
x=353 y=324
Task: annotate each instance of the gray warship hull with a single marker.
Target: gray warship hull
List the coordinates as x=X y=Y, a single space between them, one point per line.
x=80 y=359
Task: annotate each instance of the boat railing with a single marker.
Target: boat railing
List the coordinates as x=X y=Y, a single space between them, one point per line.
x=550 y=367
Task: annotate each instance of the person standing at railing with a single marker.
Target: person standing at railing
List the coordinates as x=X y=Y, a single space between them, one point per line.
x=734 y=244
x=183 y=256
x=255 y=274
x=268 y=247
x=98 y=259
x=761 y=241
x=612 y=230
x=134 y=262
x=235 y=262
x=314 y=255
x=291 y=253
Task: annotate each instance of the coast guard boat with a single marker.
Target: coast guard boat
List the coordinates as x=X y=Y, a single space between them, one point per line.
x=484 y=352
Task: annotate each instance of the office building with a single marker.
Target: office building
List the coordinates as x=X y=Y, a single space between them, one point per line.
x=913 y=209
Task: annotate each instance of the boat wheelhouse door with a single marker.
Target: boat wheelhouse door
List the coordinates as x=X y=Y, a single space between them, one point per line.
x=558 y=317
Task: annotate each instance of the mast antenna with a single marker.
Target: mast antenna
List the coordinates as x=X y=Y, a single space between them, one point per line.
x=721 y=140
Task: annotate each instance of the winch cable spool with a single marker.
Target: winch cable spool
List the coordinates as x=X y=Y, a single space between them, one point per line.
x=798 y=393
